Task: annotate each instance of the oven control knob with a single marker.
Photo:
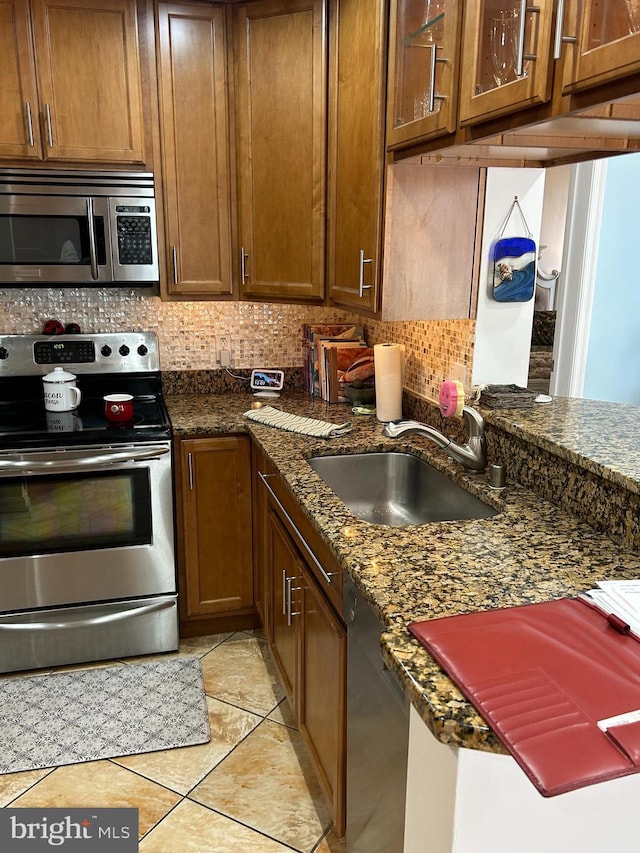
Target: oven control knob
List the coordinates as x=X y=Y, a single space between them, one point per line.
x=106 y=351
x=142 y=349
x=4 y=353
x=124 y=350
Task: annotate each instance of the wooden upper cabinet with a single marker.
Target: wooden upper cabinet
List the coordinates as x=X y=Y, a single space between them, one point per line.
x=194 y=127
x=88 y=73
x=19 y=127
x=356 y=154
x=507 y=61
x=433 y=232
x=82 y=59
x=607 y=43
x=280 y=64
x=424 y=60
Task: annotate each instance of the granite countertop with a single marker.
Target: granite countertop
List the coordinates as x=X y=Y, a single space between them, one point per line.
x=601 y=437
x=529 y=551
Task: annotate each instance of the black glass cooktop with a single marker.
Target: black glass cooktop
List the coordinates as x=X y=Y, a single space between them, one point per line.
x=24 y=422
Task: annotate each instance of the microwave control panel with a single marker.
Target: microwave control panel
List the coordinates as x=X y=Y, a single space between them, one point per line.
x=134 y=234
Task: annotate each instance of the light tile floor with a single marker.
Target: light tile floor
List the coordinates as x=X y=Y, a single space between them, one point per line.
x=251 y=789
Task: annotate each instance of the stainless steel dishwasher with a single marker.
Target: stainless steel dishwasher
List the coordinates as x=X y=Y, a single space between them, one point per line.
x=377 y=736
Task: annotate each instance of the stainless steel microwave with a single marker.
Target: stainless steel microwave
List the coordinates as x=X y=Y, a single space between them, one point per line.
x=76 y=229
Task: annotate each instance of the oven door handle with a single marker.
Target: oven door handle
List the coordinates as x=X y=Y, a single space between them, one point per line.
x=42 y=462
x=87 y=623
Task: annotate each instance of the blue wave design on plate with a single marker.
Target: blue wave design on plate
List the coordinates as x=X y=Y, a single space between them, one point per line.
x=520 y=288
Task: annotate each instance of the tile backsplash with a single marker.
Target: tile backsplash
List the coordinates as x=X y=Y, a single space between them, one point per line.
x=260 y=334
x=431 y=348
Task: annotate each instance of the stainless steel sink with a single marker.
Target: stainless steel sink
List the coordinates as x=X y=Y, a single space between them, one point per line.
x=397 y=489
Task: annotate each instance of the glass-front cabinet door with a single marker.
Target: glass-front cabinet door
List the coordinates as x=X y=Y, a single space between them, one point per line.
x=423 y=69
x=507 y=60
x=607 y=42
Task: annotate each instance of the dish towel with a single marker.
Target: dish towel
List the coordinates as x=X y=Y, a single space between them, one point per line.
x=296 y=423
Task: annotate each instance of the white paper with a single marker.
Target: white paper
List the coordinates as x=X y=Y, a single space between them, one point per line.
x=619 y=720
x=621 y=598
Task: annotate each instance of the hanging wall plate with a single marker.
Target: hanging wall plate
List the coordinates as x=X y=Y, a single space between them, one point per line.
x=513 y=264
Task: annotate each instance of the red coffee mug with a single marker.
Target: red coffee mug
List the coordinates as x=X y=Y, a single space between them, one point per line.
x=118 y=407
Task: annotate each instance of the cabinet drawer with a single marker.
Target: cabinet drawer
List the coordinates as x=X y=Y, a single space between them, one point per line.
x=321 y=562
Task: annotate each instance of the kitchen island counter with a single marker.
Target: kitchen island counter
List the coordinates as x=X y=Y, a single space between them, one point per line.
x=530 y=551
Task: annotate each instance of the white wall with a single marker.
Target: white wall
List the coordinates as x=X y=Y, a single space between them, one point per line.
x=596 y=355
x=576 y=284
x=470 y=801
x=503 y=330
x=613 y=358
x=556 y=192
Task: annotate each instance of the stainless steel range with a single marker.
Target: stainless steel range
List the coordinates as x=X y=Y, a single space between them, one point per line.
x=87 y=562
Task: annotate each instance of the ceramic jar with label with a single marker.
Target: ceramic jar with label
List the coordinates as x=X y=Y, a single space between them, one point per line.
x=60 y=391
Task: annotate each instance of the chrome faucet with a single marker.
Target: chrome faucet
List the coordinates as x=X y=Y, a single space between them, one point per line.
x=472 y=455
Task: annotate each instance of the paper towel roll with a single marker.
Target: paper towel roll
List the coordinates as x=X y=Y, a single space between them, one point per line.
x=388 y=360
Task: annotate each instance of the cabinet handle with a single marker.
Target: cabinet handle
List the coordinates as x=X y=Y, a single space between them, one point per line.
x=93 y=257
x=243 y=266
x=521 y=55
x=287 y=589
x=174 y=262
x=47 y=115
x=29 y=123
x=190 y=470
x=303 y=545
x=290 y=612
x=362 y=286
x=284 y=593
x=559 y=39
x=288 y=597
x=434 y=58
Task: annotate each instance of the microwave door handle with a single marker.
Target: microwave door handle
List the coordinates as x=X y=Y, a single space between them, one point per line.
x=93 y=257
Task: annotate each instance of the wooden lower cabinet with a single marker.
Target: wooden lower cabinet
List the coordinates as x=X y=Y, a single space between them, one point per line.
x=322 y=694
x=213 y=486
x=260 y=511
x=286 y=576
x=309 y=644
